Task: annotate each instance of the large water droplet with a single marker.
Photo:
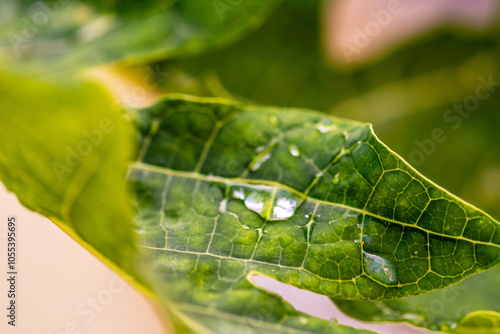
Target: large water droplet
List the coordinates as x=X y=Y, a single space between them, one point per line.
x=270 y=203
x=336 y=179
x=294 y=150
x=381 y=268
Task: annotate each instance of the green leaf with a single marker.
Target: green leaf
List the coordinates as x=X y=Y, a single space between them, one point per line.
x=480 y=323
x=67 y=163
x=71 y=33
x=64 y=153
x=225 y=191
x=437 y=310
x=311 y=200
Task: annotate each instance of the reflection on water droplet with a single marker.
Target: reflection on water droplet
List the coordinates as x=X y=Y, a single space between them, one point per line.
x=336 y=179
x=222 y=205
x=256 y=165
x=303 y=320
x=245 y=227
x=239 y=194
x=381 y=268
x=334 y=322
x=308 y=228
x=285 y=208
x=294 y=150
x=325 y=125
x=255 y=201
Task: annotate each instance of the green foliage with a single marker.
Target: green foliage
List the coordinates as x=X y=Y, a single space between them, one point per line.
x=314 y=201
x=225 y=190
x=66 y=34
x=68 y=164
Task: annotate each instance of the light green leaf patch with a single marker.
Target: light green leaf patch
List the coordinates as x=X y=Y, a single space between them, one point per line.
x=66 y=162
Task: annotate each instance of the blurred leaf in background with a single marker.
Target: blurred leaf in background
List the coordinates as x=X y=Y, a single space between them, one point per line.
x=68 y=34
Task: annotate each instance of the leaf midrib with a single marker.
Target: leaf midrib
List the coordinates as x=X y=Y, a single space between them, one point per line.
x=281 y=186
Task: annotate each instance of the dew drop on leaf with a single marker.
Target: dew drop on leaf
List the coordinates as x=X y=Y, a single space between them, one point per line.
x=294 y=150
x=381 y=268
x=284 y=208
x=336 y=179
x=259 y=162
x=245 y=227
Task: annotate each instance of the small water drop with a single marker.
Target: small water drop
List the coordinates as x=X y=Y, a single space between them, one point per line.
x=325 y=125
x=381 y=268
x=334 y=322
x=303 y=320
x=294 y=150
x=309 y=228
x=336 y=179
x=245 y=227
x=256 y=165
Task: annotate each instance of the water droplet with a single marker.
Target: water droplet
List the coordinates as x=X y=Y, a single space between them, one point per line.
x=222 y=205
x=260 y=148
x=334 y=322
x=245 y=227
x=325 y=125
x=294 y=150
x=256 y=164
x=303 y=320
x=256 y=202
x=268 y=202
x=381 y=268
x=336 y=179
x=261 y=233
x=309 y=228
x=238 y=194
x=284 y=209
